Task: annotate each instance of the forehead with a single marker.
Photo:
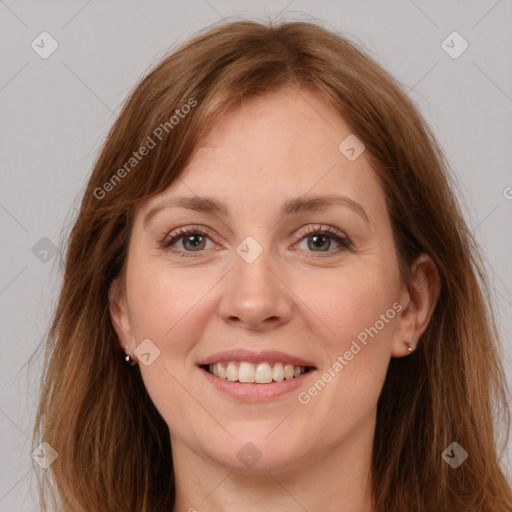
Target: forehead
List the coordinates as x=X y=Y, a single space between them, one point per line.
x=274 y=147
x=288 y=130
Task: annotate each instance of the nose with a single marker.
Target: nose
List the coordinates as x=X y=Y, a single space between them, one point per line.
x=254 y=296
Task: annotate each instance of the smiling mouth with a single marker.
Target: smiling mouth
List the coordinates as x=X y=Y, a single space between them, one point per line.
x=259 y=373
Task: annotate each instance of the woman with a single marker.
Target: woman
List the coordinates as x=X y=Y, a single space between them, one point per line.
x=269 y=241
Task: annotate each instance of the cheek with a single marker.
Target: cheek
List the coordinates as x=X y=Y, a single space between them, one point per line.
x=165 y=304
x=353 y=316
x=347 y=301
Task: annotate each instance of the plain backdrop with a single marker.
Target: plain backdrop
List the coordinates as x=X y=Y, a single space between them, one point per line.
x=56 y=111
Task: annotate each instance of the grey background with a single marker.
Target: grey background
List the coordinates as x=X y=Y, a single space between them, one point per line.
x=57 y=111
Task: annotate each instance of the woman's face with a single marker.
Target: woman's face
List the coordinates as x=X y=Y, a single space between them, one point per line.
x=264 y=278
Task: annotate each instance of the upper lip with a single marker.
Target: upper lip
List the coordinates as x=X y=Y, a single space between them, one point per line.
x=269 y=356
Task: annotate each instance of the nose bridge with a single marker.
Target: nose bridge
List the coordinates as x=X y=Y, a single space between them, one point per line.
x=252 y=264
x=253 y=296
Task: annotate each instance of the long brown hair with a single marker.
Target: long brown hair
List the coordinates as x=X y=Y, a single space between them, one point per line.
x=113 y=447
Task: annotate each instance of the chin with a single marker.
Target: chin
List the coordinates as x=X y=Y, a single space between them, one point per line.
x=258 y=453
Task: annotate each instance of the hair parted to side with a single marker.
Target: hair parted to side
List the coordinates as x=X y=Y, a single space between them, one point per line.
x=113 y=447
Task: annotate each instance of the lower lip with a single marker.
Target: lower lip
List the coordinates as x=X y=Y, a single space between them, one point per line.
x=254 y=392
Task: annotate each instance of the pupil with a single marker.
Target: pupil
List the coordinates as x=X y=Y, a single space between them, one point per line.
x=316 y=238
x=196 y=243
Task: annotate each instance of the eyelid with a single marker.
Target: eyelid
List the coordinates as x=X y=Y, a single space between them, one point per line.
x=178 y=233
x=320 y=228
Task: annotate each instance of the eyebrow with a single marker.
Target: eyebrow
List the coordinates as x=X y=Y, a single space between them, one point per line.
x=290 y=207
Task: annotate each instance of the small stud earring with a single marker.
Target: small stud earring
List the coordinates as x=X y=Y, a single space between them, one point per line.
x=409 y=346
x=128 y=360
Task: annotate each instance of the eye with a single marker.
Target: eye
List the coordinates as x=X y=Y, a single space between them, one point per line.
x=192 y=239
x=320 y=239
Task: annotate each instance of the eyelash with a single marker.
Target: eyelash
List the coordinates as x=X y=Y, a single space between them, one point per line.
x=323 y=230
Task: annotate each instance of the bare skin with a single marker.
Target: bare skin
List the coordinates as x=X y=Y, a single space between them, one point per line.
x=308 y=297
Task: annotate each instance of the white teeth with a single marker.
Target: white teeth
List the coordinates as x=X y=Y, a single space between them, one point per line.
x=262 y=373
x=246 y=372
x=278 y=372
x=288 y=372
x=221 y=371
x=232 y=372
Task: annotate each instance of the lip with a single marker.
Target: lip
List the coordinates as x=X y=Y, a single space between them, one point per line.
x=254 y=392
x=269 y=356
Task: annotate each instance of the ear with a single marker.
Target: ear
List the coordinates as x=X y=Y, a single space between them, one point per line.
x=418 y=297
x=119 y=314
